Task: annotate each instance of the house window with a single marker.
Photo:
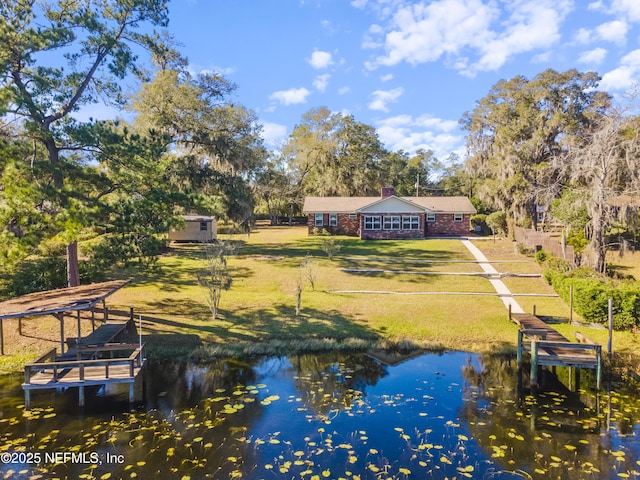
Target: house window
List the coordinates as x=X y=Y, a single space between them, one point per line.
x=319 y=219
x=431 y=217
x=203 y=226
x=457 y=217
x=392 y=222
x=372 y=222
x=333 y=219
x=353 y=216
x=411 y=223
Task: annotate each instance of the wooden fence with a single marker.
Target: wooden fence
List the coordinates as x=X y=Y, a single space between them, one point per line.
x=552 y=243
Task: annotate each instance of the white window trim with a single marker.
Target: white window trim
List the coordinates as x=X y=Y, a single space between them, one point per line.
x=392 y=222
x=372 y=220
x=321 y=217
x=410 y=222
x=431 y=217
x=333 y=219
x=458 y=217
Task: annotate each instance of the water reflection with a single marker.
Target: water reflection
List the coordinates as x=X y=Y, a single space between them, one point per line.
x=328 y=416
x=557 y=432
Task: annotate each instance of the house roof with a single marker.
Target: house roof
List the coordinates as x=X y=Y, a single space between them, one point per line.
x=354 y=204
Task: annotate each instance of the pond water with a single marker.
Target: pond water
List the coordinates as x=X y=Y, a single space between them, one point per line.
x=451 y=415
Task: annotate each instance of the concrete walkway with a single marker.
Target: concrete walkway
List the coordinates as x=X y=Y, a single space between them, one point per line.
x=501 y=289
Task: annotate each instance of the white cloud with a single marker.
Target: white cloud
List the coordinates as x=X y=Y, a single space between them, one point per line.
x=321 y=81
x=628 y=10
x=456 y=29
x=626 y=76
x=404 y=132
x=195 y=69
x=583 y=36
x=382 y=97
x=544 y=57
x=593 y=57
x=274 y=134
x=291 y=97
x=632 y=58
x=387 y=77
x=344 y=90
x=531 y=26
x=614 y=31
x=359 y=3
x=595 y=6
x=621 y=78
x=320 y=59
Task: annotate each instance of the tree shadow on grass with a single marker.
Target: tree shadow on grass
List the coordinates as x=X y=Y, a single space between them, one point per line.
x=280 y=321
x=298 y=248
x=176 y=281
x=257 y=325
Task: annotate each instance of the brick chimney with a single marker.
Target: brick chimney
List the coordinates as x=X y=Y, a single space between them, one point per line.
x=388 y=191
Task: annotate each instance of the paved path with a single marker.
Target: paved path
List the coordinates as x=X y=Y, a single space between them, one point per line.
x=501 y=289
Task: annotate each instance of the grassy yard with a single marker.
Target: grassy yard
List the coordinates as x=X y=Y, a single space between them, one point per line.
x=378 y=293
x=260 y=306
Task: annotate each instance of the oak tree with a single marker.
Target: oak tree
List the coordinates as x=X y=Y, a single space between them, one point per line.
x=515 y=131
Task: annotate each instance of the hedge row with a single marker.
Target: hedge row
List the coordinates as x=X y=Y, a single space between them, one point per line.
x=591 y=294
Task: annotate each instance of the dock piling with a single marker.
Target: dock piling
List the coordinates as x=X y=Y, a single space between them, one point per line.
x=534 y=363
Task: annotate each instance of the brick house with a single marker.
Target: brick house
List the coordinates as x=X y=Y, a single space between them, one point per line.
x=389 y=216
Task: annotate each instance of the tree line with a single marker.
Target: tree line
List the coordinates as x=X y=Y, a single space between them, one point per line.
x=113 y=188
x=556 y=144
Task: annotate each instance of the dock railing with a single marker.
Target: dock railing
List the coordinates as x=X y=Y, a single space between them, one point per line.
x=41 y=365
x=45 y=372
x=558 y=352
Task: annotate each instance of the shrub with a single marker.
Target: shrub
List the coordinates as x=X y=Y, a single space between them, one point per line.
x=497 y=222
x=331 y=247
x=479 y=223
x=541 y=256
x=524 y=250
x=47 y=273
x=591 y=294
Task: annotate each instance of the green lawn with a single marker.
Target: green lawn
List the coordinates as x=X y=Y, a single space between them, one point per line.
x=260 y=306
x=369 y=304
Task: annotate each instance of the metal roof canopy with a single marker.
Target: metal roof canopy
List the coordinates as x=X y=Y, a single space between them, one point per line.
x=57 y=302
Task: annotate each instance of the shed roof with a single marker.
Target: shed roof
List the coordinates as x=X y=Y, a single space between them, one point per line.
x=83 y=297
x=353 y=204
x=197 y=218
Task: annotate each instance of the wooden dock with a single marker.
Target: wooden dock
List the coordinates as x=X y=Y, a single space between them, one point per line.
x=547 y=346
x=95 y=360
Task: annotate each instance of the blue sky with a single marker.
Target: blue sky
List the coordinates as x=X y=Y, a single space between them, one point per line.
x=409 y=69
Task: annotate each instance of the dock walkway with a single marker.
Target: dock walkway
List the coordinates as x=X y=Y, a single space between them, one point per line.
x=547 y=346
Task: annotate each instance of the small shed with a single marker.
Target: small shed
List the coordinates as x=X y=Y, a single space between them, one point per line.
x=197 y=228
